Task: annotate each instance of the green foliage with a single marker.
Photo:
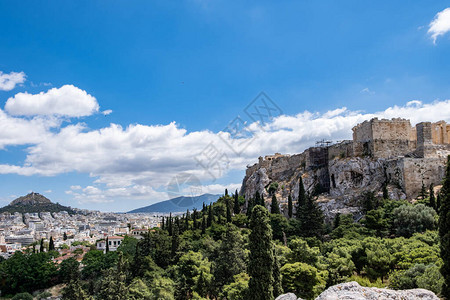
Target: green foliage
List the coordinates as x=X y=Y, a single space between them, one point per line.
x=74 y=291
x=290 y=207
x=444 y=231
x=339 y=265
x=273 y=188
x=376 y=222
x=27 y=272
x=69 y=270
x=301 y=252
x=409 y=219
x=238 y=289
x=189 y=267
x=22 y=296
x=95 y=262
x=300 y=279
x=311 y=219
x=138 y=290
x=279 y=226
x=418 y=276
x=260 y=266
x=274 y=206
x=379 y=262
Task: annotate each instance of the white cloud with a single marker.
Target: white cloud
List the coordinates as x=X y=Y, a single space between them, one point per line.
x=107 y=112
x=67 y=100
x=367 y=91
x=440 y=24
x=138 y=161
x=9 y=81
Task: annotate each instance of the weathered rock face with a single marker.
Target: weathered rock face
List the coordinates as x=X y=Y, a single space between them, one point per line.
x=353 y=291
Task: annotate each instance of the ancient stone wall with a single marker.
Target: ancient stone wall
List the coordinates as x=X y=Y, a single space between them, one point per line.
x=341 y=150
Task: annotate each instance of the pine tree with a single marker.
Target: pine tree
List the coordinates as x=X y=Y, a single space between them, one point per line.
x=432 y=197
x=51 y=245
x=277 y=288
x=260 y=266
x=444 y=231
x=274 y=207
x=236 y=208
x=107 y=245
x=210 y=216
x=203 y=224
x=290 y=206
x=301 y=200
x=65 y=236
x=74 y=291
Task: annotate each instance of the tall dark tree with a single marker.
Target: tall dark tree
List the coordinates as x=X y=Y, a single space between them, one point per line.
x=312 y=219
x=262 y=202
x=444 y=231
x=226 y=192
x=65 y=236
x=257 y=198
x=250 y=205
x=162 y=223
x=194 y=218
x=227 y=203
x=236 y=207
x=438 y=202
x=432 y=197
x=385 y=192
x=107 y=245
x=204 y=208
x=175 y=242
x=51 y=244
x=337 y=221
x=186 y=220
x=260 y=266
x=277 y=287
x=301 y=200
x=203 y=224
x=274 y=207
x=290 y=206
x=423 y=192
x=42 y=248
x=210 y=216
x=170 y=226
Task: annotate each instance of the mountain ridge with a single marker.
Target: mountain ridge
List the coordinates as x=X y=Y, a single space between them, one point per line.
x=178 y=204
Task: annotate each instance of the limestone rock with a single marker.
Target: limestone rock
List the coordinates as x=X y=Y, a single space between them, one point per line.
x=288 y=296
x=353 y=291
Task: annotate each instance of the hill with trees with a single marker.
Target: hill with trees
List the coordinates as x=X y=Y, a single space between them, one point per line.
x=34 y=203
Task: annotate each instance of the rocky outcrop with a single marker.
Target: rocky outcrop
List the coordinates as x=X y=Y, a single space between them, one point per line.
x=353 y=291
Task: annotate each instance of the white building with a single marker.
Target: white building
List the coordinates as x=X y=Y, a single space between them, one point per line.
x=113 y=243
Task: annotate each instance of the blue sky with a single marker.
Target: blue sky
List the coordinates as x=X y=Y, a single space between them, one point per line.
x=175 y=73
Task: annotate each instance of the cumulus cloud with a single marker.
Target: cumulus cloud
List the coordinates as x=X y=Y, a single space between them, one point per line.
x=67 y=100
x=138 y=161
x=9 y=81
x=440 y=24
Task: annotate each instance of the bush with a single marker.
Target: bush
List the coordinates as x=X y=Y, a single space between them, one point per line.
x=22 y=296
x=409 y=219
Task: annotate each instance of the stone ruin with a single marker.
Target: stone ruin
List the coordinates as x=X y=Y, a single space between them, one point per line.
x=390 y=152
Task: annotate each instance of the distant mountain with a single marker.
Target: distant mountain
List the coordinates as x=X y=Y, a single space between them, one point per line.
x=178 y=204
x=34 y=202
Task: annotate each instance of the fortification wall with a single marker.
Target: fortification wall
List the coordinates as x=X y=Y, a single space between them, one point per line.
x=341 y=150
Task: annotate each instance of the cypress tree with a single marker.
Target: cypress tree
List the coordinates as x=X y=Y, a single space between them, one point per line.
x=311 y=221
x=170 y=224
x=42 y=249
x=236 y=207
x=204 y=208
x=301 y=200
x=175 y=241
x=444 y=231
x=203 y=224
x=423 y=192
x=210 y=216
x=226 y=192
x=51 y=245
x=65 y=236
x=290 y=206
x=438 y=202
x=227 y=203
x=260 y=266
x=194 y=217
x=337 y=221
x=177 y=223
x=277 y=288
x=385 y=192
x=262 y=202
x=250 y=204
x=186 y=221
x=107 y=245
x=162 y=223
x=274 y=207
x=432 y=197
x=257 y=200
